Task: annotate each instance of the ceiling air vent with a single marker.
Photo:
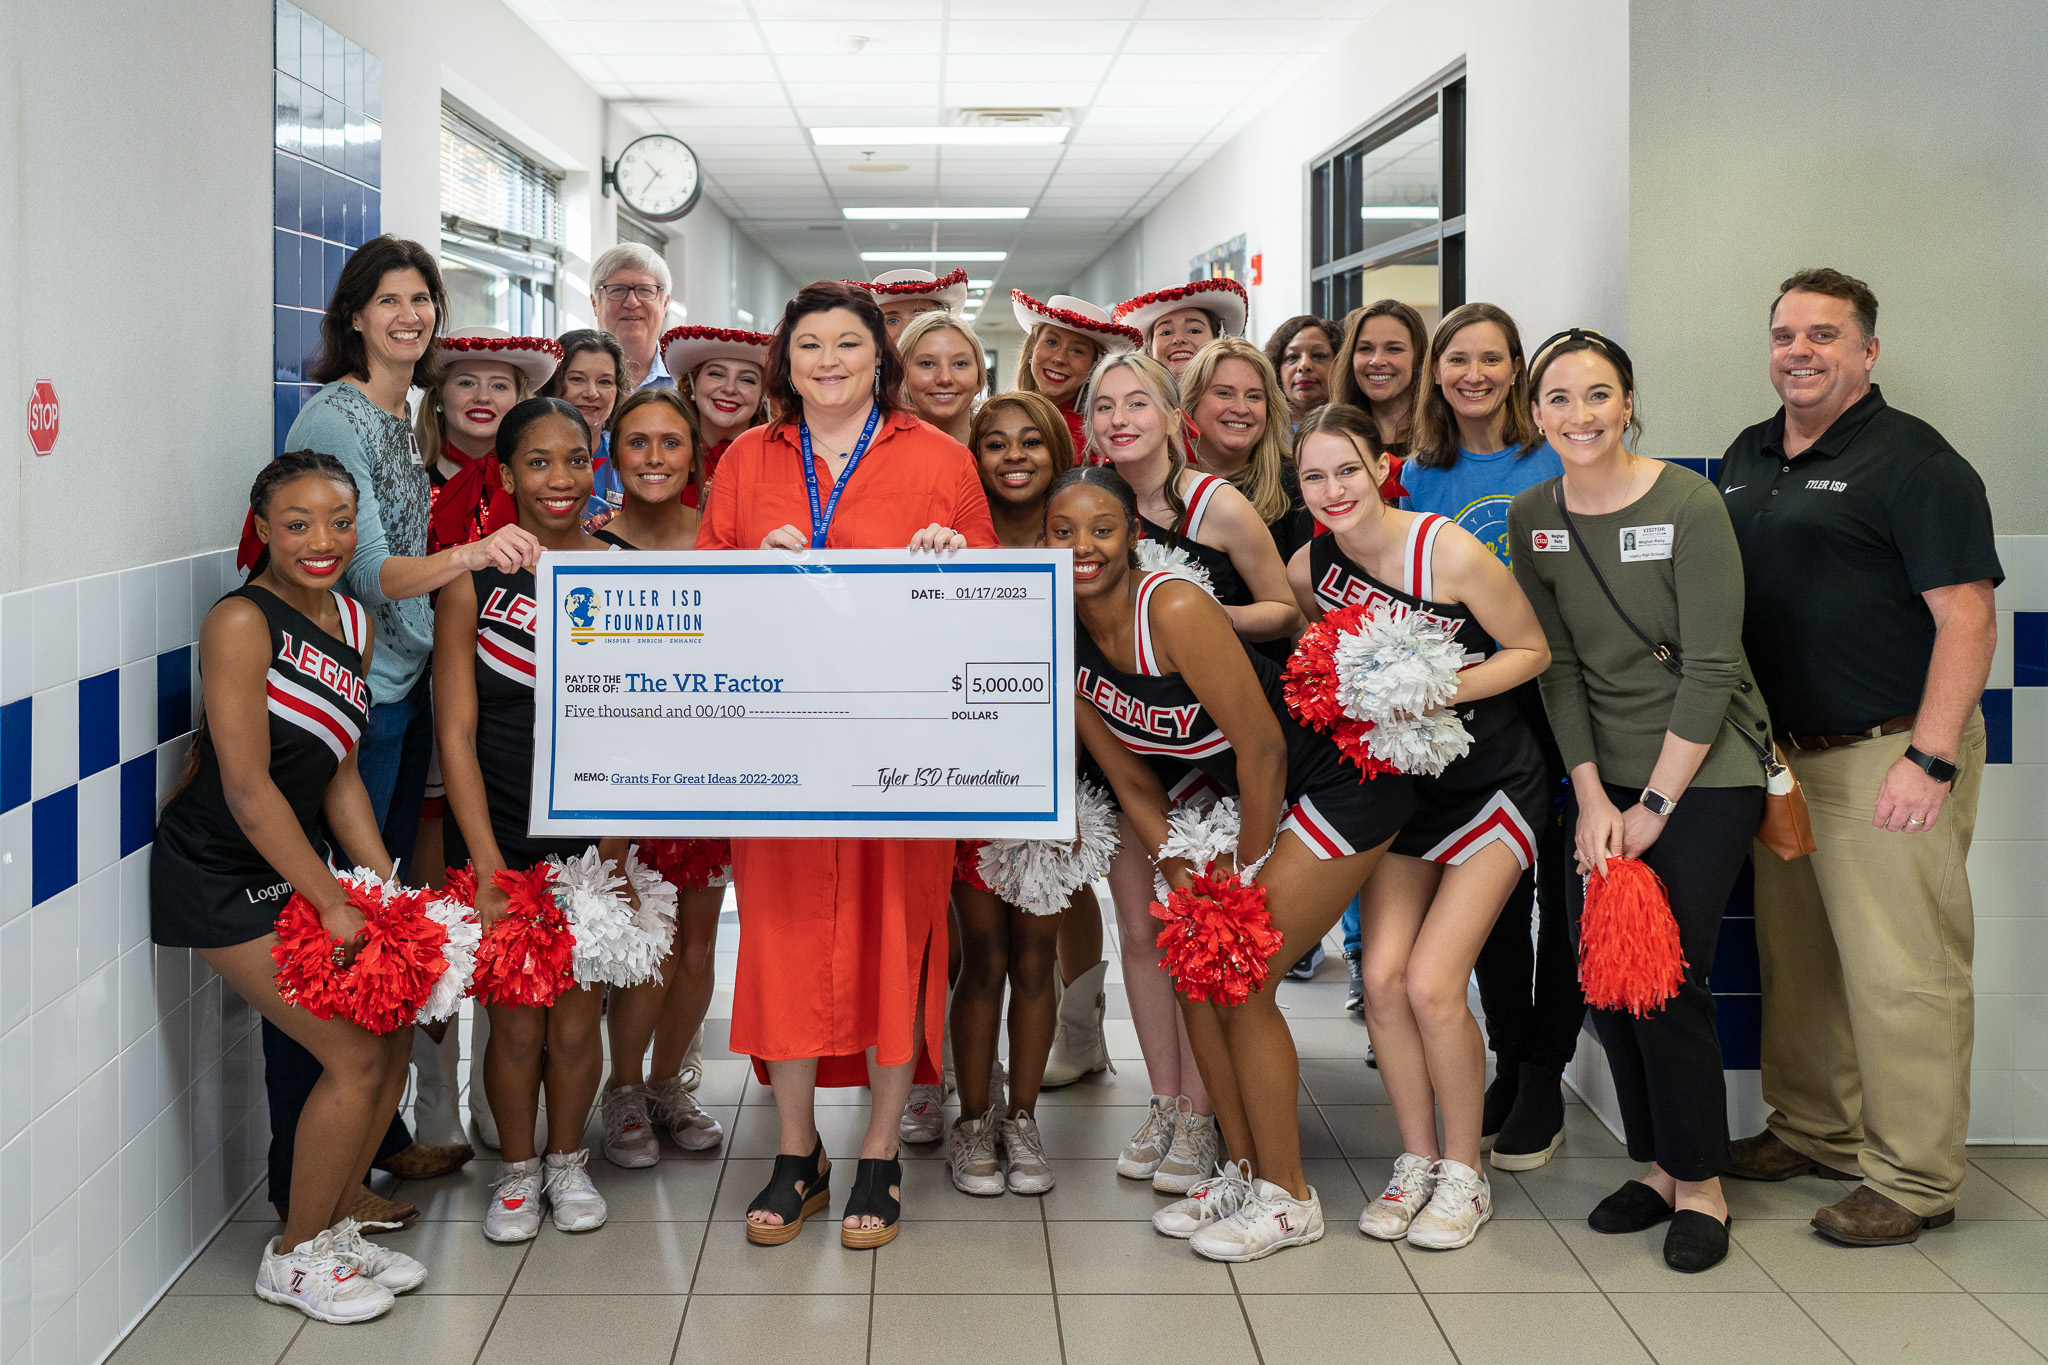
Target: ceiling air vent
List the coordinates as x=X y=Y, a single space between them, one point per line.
x=1011 y=118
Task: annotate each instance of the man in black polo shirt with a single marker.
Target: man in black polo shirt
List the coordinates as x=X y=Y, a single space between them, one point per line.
x=1868 y=554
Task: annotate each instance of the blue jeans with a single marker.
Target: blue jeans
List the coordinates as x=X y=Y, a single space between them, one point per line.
x=1351 y=930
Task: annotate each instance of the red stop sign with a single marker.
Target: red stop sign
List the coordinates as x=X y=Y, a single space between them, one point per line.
x=42 y=417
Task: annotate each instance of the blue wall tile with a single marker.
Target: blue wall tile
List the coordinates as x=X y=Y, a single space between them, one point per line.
x=287 y=29
x=1735 y=963
x=351 y=74
x=312 y=279
x=373 y=217
x=173 y=693
x=312 y=53
x=55 y=837
x=1714 y=469
x=16 y=735
x=284 y=261
x=373 y=157
x=335 y=258
x=138 y=802
x=373 y=86
x=285 y=366
x=1997 y=704
x=337 y=193
x=99 y=722
x=2030 y=649
x=1740 y=1021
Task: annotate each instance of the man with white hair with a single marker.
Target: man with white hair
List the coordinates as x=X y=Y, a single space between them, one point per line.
x=629 y=292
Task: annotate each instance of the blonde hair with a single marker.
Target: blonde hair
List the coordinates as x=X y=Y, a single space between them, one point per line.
x=1263 y=476
x=1026 y=381
x=1159 y=381
x=429 y=427
x=1041 y=413
x=925 y=323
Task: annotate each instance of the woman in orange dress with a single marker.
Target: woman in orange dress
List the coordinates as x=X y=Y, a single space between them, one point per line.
x=842 y=962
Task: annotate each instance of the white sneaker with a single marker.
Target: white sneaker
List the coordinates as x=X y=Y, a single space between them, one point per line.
x=1197 y=1148
x=1221 y=1195
x=1030 y=1172
x=924 y=1115
x=629 y=1138
x=1461 y=1201
x=575 y=1202
x=1388 y=1216
x=1149 y=1145
x=395 y=1270
x=971 y=1155
x=313 y=1279
x=676 y=1108
x=1270 y=1220
x=514 y=1215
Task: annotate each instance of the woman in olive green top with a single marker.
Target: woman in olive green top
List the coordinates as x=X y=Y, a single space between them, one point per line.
x=1659 y=769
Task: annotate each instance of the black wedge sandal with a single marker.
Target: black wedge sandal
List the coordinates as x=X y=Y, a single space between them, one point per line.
x=783 y=1198
x=871 y=1182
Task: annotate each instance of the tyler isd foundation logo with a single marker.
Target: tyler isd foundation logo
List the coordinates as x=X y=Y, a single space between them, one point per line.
x=580 y=606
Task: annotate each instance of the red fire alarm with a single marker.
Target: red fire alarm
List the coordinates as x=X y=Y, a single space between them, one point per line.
x=1259 y=269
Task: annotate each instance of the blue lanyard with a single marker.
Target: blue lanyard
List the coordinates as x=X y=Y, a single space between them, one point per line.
x=821 y=520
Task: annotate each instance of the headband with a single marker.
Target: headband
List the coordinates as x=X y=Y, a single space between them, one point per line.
x=1599 y=340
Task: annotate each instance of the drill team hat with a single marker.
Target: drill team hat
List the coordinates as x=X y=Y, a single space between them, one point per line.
x=534 y=357
x=949 y=291
x=1076 y=315
x=1224 y=298
x=683 y=349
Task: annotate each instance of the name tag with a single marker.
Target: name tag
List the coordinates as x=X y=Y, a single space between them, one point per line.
x=1645 y=542
x=1559 y=542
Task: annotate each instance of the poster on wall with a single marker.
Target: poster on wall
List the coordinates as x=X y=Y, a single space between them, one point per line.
x=1227 y=261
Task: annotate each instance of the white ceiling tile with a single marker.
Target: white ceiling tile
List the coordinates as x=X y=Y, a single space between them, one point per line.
x=1001 y=38
x=676 y=68
x=857 y=115
x=1200 y=100
x=864 y=71
x=1005 y=87
x=631 y=11
x=673 y=36
x=735 y=121
x=1028 y=66
x=805 y=94
x=1164 y=70
x=1151 y=35
x=1161 y=116
x=711 y=94
x=1349 y=12
x=839 y=15
x=887 y=39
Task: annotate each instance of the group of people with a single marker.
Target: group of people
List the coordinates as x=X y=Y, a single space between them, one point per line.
x=1641 y=650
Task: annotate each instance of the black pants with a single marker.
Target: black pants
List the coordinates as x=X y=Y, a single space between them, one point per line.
x=1529 y=987
x=289 y=1071
x=1667 y=1067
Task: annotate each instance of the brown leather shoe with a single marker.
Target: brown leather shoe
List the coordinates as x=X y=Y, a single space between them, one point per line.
x=1766 y=1157
x=1869 y=1219
x=420 y=1162
x=367 y=1206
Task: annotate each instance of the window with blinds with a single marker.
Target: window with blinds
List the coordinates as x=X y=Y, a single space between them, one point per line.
x=487 y=182
x=501 y=231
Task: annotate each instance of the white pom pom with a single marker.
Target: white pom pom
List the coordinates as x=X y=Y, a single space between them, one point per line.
x=1424 y=746
x=1199 y=835
x=1156 y=558
x=1039 y=876
x=1397 y=664
x=464 y=934
x=656 y=918
x=613 y=946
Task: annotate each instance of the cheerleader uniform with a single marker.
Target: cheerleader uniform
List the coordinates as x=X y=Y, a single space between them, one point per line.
x=208 y=886
x=1497 y=792
x=1226 y=582
x=1157 y=716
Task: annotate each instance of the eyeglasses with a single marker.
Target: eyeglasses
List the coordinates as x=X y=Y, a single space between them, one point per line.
x=619 y=293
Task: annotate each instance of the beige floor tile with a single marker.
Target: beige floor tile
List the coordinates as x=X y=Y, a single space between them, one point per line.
x=1343 y=1262
x=1510 y=1200
x=220 y=1331
x=1586 y=1136
x=2027 y=1152
x=460 y=1196
x=1623 y=1263
x=1715 y=1329
x=228 y=1265
x=666 y=1192
x=1122 y=1038
x=1318 y=1139
x=1313 y=1037
x=418 y=1328
x=814 y=1263
x=1127 y=1085
x=459 y=1258
x=1364 y=1130
x=1337 y=1186
x=618 y=1258
x=2026 y=1314
x=1092 y=1192
x=1508 y=1257
x=1028 y=1325
x=1990 y=1201
x=1535 y=1329
x=1334 y=1327
x=1082 y=1131
x=1991 y=1258
x=808 y=1329
x=2025 y=1177
x=1114 y=1329
x=990 y=1258
x=726 y=1083
x=1129 y=1258
x=1933 y=1327
x=257 y=1208
x=629 y=1329
x=1801 y=1261
x=1567 y=1187
x=1322 y=998
x=1342 y=1080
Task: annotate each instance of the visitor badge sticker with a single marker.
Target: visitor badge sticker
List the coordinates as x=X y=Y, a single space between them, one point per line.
x=1645 y=542
x=833 y=693
x=1557 y=542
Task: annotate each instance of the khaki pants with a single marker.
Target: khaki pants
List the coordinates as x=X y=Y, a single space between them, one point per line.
x=1868 y=1013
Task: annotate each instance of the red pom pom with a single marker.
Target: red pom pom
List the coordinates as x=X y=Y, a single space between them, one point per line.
x=459 y=885
x=1310 y=688
x=1629 y=954
x=1218 y=939
x=304 y=954
x=394 y=970
x=688 y=864
x=967 y=862
x=524 y=959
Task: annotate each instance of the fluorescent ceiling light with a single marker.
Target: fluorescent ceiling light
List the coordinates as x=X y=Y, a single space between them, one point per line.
x=1030 y=136
x=935 y=255
x=933 y=215
x=1420 y=212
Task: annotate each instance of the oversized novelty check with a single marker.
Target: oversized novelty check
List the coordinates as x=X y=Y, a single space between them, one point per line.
x=854 y=693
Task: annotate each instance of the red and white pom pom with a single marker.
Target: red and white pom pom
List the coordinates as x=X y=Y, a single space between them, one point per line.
x=1310 y=689
x=1630 y=957
x=1040 y=876
x=1156 y=558
x=454 y=909
x=1198 y=833
x=967 y=863
x=689 y=864
x=615 y=944
x=524 y=960
x=1397 y=669
x=1218 y=939
x=395 y=968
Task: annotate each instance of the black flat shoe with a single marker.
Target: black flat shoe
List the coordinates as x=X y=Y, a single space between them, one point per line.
x=1500 y=1099
x=870 y=1196
x=1632 y=1208
x=1697 y=1241
x=796 y=1189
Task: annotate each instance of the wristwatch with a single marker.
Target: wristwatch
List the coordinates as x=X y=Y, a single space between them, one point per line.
x=1657 y=803
x=1940 y=769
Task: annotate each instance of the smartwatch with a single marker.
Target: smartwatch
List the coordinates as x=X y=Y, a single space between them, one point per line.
x=1656 y=802
x=1940 y=769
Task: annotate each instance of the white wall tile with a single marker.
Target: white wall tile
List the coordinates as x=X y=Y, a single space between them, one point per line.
x=53 y=927
x=141 y=1278
x=99 y=1022
x=2030 y=731
x=53 y=763
x=99 y=1317
x=138 y=993
x=1991 y=1106
x=205 y=588
x=137 y=1164
x=2030 y=1106
x=99 y=624
x=1993 y=1049
x=16 y=1106
x=99 y=1217
x=56 y=634
x=170 y=767
x=56 y=1341
x=53 y=1158
x=2025 y=561
x=138 y=614
x=2005 y=878
x=138 y=708
x=17 y=973
x=14 y=1301
x=173 y=604
x=99 y=821
x=135 y=898
x=2010 y=803
x=2030 y=1031
x=17 y=645
x=2001 y=654
x=17 y=861
x=99 y=919
x=139 y=1098
x=174 y=1227
x=53 y=1041
x=99 y=1120
x=16 y=1178
x=55 y=1272
x=1996 y=970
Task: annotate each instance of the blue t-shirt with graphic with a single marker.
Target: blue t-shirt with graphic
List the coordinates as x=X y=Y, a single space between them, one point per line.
x=1475 y=492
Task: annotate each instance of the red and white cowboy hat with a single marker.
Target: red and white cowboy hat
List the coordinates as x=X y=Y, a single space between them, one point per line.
x=949 y=291
x=1076 y=315
x=1225 y=298
x=683 y=349
x=534 y=357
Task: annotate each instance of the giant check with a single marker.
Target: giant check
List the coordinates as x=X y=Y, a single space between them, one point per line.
x=856 y=693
